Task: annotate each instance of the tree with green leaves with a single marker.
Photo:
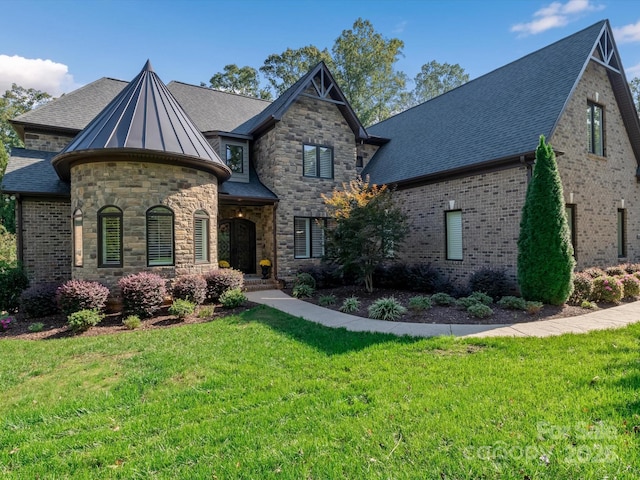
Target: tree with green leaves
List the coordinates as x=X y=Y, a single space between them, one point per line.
x=240 y=80
x=368 y=227
x=284 y=69
x=365 y=70
x=634 y=84
x=437 y=78
x=545 y=253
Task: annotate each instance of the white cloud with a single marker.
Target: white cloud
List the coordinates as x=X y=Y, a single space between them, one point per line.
x=45 y=75
x=633 y=71
x=555 y=15
x=628 y=33
x=399 y=28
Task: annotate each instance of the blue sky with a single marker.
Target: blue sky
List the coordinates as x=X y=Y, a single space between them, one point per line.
x=58 y=45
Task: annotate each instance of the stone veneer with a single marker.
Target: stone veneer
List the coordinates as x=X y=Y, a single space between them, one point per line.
x=135 y=187
x=598 y=183
x=278 y=160
x=46 y=141
x=46 y=240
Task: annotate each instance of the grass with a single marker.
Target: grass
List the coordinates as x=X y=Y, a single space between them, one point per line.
x=266 y=395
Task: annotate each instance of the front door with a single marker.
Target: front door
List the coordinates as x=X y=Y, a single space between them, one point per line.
x=237 y=244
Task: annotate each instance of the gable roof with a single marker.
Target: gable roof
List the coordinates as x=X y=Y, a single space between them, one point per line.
x=497 y=117
x=323 y=84
x=144 y=118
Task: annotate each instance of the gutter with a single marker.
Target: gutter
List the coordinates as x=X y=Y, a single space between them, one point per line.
x=19 y=229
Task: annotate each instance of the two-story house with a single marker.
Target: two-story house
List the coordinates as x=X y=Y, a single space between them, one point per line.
x=118 y=177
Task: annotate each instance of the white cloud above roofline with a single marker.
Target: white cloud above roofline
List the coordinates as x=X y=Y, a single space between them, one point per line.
x=45 y=75
x=555 y=15
x=627 y=34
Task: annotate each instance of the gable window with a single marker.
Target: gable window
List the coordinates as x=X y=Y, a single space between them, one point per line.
x=78 y=256
x=595 y=121
x=317 y=161
x=622 y=227
x=201 y=236
x=453 y=225
x=109 y=237
x=235 y=158
x=309 y=237
x=159 y=236
x=571 y=222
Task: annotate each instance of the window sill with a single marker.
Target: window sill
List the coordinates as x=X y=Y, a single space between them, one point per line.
x=593 y=156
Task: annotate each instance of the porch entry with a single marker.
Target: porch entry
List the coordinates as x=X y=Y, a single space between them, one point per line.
x=237 y=244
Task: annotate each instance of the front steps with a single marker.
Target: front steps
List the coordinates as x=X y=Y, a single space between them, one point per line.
x=255 y=283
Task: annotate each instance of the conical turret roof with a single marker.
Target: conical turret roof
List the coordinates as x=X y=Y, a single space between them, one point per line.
x=143 y=119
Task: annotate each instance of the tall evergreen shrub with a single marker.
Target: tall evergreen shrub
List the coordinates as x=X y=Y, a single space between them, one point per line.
x=545 y=254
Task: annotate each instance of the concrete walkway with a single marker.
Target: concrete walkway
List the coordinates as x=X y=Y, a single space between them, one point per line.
x=598 y=320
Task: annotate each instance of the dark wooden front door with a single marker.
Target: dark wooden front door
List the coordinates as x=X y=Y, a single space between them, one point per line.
x=237 y=244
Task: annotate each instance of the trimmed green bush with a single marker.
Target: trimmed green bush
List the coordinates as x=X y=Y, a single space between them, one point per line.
x=582 y=287
x=142 y=293
x=83 y=320
x=466 y=302
x=221 y=280
x=36 y=327
x=76 y=295
x=420 y=303
x=182 y=308
x=13 y=281
x=233 y=298
x=443 y=299
x=304 y=279
x=631 y=286
x=302 y=291
x=350 y=305
x=190 y=287
x=482 y=297
x=386 y=308
x=132 y=322
x=607 y=289
x=533 y=307
x=327 y=300
x=480 y=310
x=545 y=253
x=512 y=303
x=207 y=311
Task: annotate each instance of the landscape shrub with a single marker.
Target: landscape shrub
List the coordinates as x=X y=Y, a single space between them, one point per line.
x=233 y=298
x=533 y=307
x=443 y=299
x=392 y=275
x=582 y=287
x=588 y=305
x=302 y=291
x=304 y=279
x=386 y=308
x=493 y=282
x=480 y=310
x=426 y=279
x=221 y=280
x=594 y=272
x=325 y=275
x=39 y=301
x=190 y=287
x=132 y=322
x=182 y=308
x=84 y=319
x=616 y=271
x=142 y=293
x=207 y=311
x=512 y=303
x=607 y=289
x=350 y=305
x=36 y=327
x=13 y=281
x=481 y=297
x=327 y=300
x=466 y=302
x=630 y=286
x=632 y=268
x=420 y=303
x=76 y=295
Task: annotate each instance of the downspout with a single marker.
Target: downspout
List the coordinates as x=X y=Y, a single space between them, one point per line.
x=275 y=244
x=19 y=230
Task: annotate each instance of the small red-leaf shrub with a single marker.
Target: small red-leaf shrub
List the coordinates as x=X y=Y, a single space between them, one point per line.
x=594 y=272
x=142 y=293
x=607 y=289
x=219 y=281
x=631 y=286
x=616 y=271
x=39 y=301
x=190 y=287
x=632 y=268
x=76 y=295
x=582 y=288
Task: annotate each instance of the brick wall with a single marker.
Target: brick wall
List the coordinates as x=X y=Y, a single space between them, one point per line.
x=598 y=183
x=135 y=187
x=46 y=240
x=278 y=159
x=46 y=142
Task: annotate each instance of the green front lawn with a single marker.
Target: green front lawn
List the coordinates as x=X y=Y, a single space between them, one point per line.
x=265 y=395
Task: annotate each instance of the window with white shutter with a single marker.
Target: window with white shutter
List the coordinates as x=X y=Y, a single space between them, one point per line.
x=454 y=234
x=159 y=236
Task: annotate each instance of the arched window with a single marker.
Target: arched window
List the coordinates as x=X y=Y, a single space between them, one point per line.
x=78 y=257
x=109 y=237
x=160 y=249
x=201 y=236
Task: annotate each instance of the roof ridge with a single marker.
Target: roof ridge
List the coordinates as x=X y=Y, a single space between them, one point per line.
x=219 y=91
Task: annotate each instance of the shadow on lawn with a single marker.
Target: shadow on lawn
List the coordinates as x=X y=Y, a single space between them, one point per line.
x=331 y=341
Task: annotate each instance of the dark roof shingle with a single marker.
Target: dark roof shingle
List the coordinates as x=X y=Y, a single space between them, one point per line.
x=30 y=172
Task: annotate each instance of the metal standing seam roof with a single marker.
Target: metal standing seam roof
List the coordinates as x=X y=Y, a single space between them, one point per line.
x=144 y=117
x=499 y=115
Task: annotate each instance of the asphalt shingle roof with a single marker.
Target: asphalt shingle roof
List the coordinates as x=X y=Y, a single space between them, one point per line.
x=253 y=189
x=30 y=171
x=499 y=115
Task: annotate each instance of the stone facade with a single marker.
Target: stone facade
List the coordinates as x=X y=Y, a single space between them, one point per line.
x=490 y=205
x=46 y=239
x=278 y=159
x=599 y=184
x=46 y=141
x=134 y=187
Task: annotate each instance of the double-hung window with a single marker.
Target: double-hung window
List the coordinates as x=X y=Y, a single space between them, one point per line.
x=317 y=161
x=160 y=249
x=110 y=237
x=595 y=129
x=453 y=225
x=309 y=237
